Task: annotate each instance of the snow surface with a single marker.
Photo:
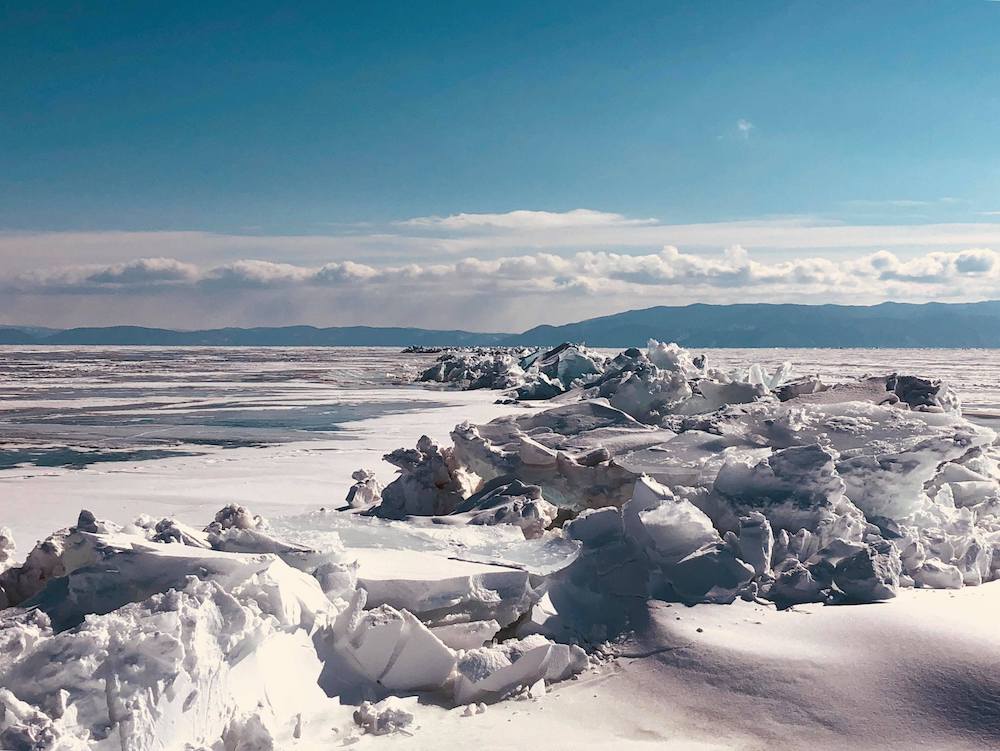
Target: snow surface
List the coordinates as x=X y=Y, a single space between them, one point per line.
x=273 y=480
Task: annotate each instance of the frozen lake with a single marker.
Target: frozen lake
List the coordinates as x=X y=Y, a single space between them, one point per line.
x=164 y=431
x=182 y=432
x=185 y=430
x=65 y=406
x=78 y=406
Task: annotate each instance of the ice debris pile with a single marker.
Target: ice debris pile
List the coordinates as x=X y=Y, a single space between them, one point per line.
x=528 y=373
x=687 y=483
x=159 y=634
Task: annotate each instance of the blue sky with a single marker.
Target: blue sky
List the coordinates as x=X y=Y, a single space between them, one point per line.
x=211 y=134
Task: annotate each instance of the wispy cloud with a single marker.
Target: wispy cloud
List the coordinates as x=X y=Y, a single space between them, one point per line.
x=744 y=128
x=916 y=206
x=498 y=270
x=527 y=220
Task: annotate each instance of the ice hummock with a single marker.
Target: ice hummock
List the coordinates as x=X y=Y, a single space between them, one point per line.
x=799 y=490
x=529 y=373
x=665 y=379
x=161 y=635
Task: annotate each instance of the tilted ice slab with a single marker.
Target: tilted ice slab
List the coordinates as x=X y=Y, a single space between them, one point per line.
x=447 y=575
x=361 y=537
x=567 y=451
x=443 y=590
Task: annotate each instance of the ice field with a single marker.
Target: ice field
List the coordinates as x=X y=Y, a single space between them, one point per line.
x=667 y=552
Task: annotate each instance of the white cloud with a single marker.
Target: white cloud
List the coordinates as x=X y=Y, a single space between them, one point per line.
x=145 y=271
x=976 y=261
x=505 y=293
x=254 y=273
x=508 y=270
x=743 y=128
x=734 y=269
x=526 y=220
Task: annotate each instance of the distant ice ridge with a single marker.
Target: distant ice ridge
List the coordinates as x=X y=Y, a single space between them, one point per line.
x=660 y=380
x=682 y=482
x=529 y=373
x=161 y=635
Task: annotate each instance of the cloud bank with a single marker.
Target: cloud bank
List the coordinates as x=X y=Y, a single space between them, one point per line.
x=734 y=270
x=487 y=271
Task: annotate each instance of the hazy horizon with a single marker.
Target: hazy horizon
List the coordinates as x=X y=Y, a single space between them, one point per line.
x=321 y=325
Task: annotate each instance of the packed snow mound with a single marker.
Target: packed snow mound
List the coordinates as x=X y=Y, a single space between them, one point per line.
x=7 y=547
x=509 y=502
x=490 y=673
x=162 y=635
x=479 y=367
x=567 y=451
x=529 y=373
x=666 y=379
x=431 y=482
x=921 y=394
x=558 y=455
x=171 y=667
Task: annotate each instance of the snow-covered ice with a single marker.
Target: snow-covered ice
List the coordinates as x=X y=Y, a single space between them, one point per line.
x=656 y=552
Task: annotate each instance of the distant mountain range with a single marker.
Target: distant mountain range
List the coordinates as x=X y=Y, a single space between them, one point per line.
x=762 y=325
x=282 y=336
x=749 y=325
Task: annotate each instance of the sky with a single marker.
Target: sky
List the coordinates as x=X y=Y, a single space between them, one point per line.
x=491 y=166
